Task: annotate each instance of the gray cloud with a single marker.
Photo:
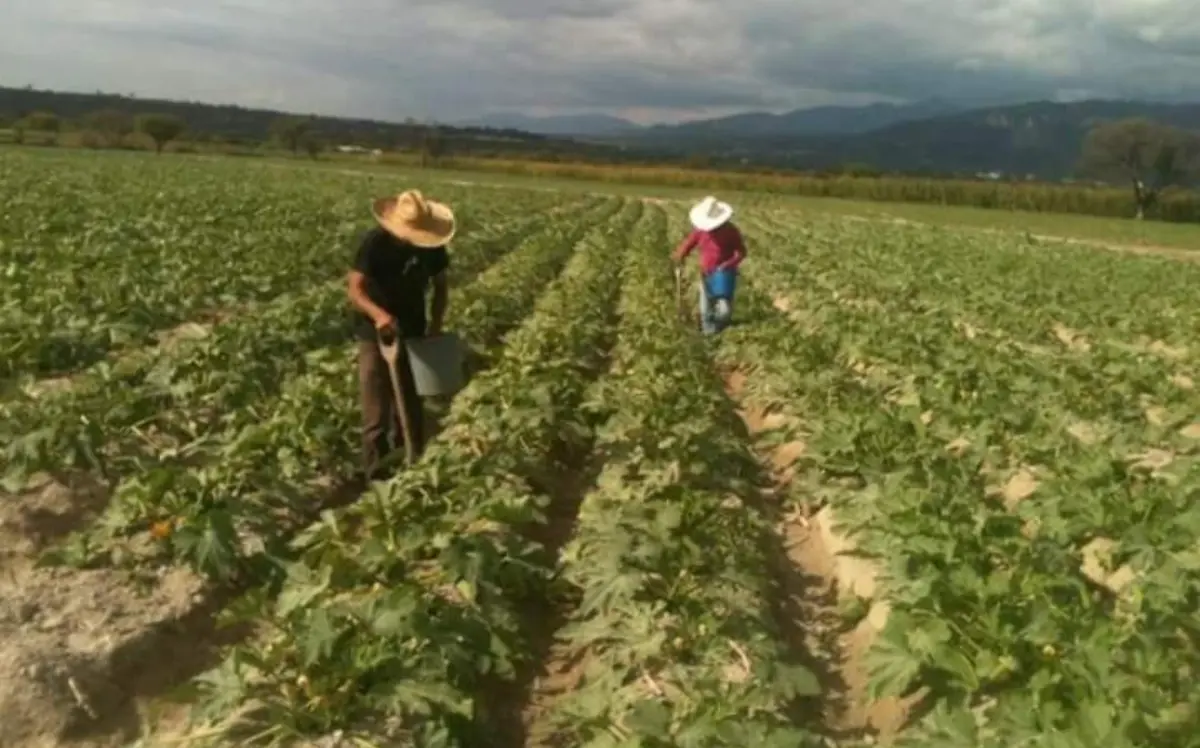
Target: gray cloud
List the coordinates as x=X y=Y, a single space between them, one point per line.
x=453 y=58
x=537 y=10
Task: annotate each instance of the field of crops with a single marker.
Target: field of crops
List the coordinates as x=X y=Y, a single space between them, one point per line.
x=936 y=488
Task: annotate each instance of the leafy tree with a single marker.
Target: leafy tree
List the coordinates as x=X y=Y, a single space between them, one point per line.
x=1153 y=156
x=161 y=128
x=111 y=124
x=290 y=130
x=312 y=144
x=41 y=122
x=432 y=145
x=856 y=169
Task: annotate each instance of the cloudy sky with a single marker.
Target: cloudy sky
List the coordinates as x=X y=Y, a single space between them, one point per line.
x=645 y=59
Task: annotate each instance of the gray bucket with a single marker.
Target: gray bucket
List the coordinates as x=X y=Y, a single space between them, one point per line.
x=437 y=364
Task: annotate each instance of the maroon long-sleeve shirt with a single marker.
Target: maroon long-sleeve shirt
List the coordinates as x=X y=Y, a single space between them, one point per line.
x=720 y=248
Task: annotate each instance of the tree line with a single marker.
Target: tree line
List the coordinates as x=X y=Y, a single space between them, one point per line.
x=1157 y=162
x=245 y=130
x=109 y=127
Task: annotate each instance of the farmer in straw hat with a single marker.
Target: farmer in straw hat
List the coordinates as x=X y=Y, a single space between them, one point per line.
x=397 y=261
x=721 y=252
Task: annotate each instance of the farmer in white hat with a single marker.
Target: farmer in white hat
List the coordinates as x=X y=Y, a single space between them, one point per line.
x=721 y=252
x=397 y=261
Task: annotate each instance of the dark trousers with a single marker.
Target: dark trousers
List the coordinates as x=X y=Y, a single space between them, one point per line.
x=381 y=430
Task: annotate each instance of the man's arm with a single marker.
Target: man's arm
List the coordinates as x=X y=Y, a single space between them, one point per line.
x=356 y=290
x=686 y=246
x=356 y=286
x=437 y=310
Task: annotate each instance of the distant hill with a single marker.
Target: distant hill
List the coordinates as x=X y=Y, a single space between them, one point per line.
x=579 y=125
x=1040 y=138
x=241 y=124
x=938 y=137
x=824 y=120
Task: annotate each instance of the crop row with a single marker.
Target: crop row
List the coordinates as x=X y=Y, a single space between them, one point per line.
x=401 y=613
x=672 y=631
x=116 y=419
x=1107 y=388
x=948 y=458
x=165 y=248
x=260 y=468
x=1096 y=395
x=1032 y=289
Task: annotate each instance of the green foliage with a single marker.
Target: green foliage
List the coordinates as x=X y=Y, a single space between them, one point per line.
x=860 y=168
x=110 y=125
x=312 y=144
x=146 y=247
x=175 y=393
x=1173 y=205
x=668 y=561
x=161 y=128
x=978 y=410
x=447 y=577
x=40 y=122
x=433 y=146
x=291 y=131
x=1151 y=155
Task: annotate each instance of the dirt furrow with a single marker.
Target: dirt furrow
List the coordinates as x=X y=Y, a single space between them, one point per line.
x=83 y=650
x=807 y=574
x=520 y=704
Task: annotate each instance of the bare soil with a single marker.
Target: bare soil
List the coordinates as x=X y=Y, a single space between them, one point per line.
x=45 y=511
x=78 y=648
x=807 y=572
x=515 y=708
x=559 y=669
x=85 y=652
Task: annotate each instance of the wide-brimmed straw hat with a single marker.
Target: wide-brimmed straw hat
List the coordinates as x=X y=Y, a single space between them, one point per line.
x=710 y=213
x=411 y=218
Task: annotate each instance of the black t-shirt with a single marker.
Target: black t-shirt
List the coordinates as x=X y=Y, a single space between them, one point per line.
x=398 y=276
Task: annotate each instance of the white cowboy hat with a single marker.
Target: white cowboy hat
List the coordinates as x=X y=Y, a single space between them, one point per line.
x=411 y=218
x=710 y=213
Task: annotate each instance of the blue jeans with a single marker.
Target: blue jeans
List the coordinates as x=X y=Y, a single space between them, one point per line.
x=715 y=313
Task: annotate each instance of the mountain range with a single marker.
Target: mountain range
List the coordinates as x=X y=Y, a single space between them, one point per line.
x=569 y=125
x=1036 y=138
x=1041 y=138
x=812 y=121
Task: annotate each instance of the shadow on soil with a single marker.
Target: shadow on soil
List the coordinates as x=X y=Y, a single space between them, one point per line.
x=803 y=600
x=52 y=509
x=162 y=661
x=574 y=473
